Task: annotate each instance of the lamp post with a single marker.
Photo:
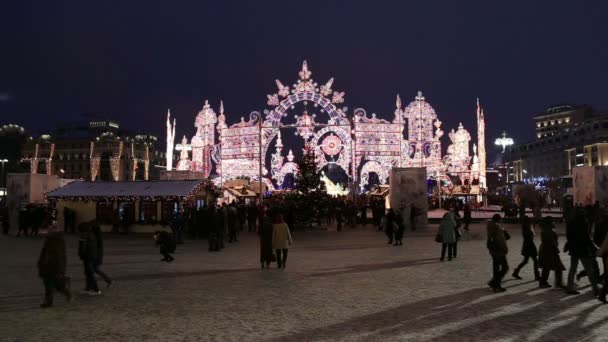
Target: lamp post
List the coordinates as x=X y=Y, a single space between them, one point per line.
x=504 y=141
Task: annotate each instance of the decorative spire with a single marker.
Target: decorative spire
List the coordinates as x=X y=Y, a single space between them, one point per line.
x=283 y=90
x=420 y=97
x=326 y=88
x=305 y=73
x=398 y=102
x=221 y=107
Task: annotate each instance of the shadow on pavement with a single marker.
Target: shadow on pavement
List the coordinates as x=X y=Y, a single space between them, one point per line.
x=373 y=267
x=460 y=316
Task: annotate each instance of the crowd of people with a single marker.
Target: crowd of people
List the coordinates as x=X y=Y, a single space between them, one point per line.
x=586 y=241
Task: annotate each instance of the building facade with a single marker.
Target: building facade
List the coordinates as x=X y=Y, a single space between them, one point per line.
x=567 y=137
x=98 y=150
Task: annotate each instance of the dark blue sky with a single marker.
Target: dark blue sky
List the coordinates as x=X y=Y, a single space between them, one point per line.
x=131 y=60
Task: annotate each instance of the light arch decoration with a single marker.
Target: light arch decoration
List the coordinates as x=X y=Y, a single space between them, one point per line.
x=367 y=143
x=344 y=156
x=373 y=166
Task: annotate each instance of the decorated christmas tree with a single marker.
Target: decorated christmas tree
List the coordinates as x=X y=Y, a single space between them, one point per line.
x=308 y=179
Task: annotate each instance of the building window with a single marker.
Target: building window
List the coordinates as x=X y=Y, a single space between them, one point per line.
x=147 y=211
x=105 y=212
x=126 y=211
x=169 y=209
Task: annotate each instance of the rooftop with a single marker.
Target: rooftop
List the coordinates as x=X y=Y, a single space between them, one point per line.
x=149 y=189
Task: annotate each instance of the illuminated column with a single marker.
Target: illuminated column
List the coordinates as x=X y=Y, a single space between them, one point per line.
x=170 y=141
x=49 y=161
x=94 y=161
x=481 y=145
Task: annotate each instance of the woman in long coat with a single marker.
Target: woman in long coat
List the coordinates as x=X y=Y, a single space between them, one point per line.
x=281 y=238
x=265 y=233
x=549 y=259
x=528 y=249
x=447 y=230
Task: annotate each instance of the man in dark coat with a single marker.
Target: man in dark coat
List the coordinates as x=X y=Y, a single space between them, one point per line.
x=548 y=254
x=232 y=222
x=581 y=248
x=96 y=231
x=266 y=251
x=167 y=245
x=51 y=267
x=88 y=253
x=528 y=249
x=497 y=246
x=466 y=216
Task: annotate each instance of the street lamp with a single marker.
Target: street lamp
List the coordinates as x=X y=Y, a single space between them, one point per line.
x=504 y=141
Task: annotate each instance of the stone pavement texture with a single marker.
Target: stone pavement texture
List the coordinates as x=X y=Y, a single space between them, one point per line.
x=347 y=286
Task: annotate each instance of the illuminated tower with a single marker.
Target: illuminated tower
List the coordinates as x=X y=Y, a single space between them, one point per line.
x=481 y=145
x=204 y=140
x=170 y=141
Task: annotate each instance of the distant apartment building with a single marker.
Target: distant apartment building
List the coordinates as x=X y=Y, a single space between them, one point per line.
x=566 y=137
x=98 y=150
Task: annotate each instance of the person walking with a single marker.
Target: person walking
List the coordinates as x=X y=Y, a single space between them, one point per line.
x=99 y=259
x=581 y=248
x=51 y=267
x=528 y=249
x=447 y=229
x=602 y=252
x=466 y=216
x=497 y=246
x=456 y=231
x=266 y=236
x=548 y=254
x=389 y=225
x=87 y=251
x=232 y=222
x=166 y=245
x=281 y=238
x=214 y=230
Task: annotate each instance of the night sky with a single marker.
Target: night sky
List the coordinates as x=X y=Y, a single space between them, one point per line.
x=70 y=61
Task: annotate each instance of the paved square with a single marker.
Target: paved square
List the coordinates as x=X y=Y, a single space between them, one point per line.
x=348 y=286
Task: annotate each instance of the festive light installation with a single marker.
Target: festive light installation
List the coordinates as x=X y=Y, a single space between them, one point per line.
x=331 y=145
x=362 y=146
x=332 y=188
x=424 y=144
x=504 y=141
x=345 y=140
x=457 y=159
x=116 y=162
x=305 y=125
x=94 y=161
x=147 y=164
x=170 y=141
x=204 y=140
x=49 y=161
x=134 y=162
x=184 y=163
x=481 y=145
